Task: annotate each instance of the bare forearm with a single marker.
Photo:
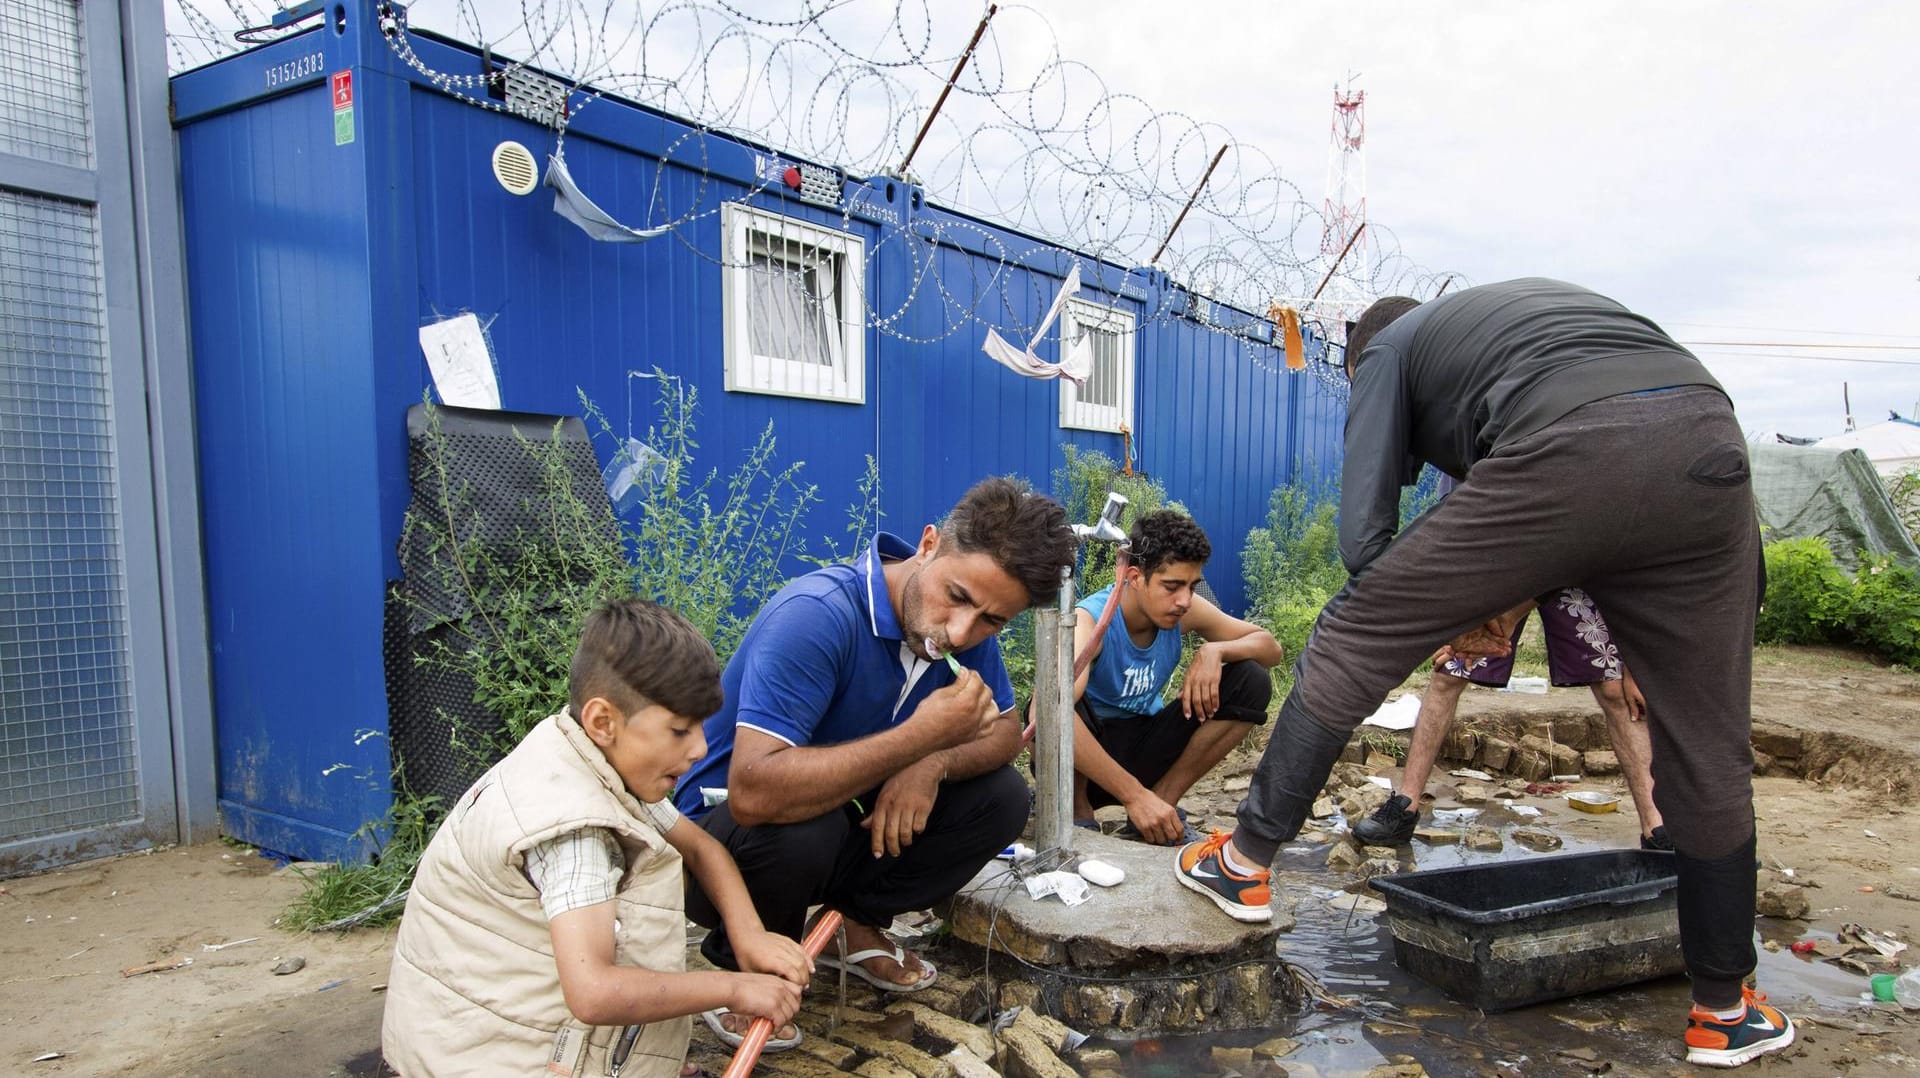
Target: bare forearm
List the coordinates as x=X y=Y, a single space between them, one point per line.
x=1260 y=646
x=630 y=995
x=984 y=754
x=805 y=782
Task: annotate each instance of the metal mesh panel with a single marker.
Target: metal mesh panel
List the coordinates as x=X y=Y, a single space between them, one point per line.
x=66 y=715
x=43 y=82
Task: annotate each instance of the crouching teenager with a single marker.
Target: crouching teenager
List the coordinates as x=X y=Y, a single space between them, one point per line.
x=544 y=932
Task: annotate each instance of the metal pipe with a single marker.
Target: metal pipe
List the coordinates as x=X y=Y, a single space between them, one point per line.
x=965 y=55
x=1191 y=199
x=1062 y=737
x=1052 y=782
x=755 y=1041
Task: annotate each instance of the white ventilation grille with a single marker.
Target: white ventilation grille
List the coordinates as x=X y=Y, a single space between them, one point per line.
x=514 y=167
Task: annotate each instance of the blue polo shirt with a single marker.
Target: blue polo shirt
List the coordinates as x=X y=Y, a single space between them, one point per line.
x=823 y=663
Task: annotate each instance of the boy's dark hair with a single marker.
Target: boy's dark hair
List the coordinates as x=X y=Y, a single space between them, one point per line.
x=635 y=652
x=1166 y=536
x=1025 y=533
x=1381 y=314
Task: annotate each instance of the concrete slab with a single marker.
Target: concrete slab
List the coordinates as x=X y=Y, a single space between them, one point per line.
x=1148 y=919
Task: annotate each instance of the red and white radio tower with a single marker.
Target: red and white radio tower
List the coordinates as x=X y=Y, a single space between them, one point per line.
x=1347 y=291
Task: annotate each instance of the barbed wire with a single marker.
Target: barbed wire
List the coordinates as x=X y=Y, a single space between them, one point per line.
x=1029 y=140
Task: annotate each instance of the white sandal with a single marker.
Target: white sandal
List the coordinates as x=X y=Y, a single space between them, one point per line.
x=851 y=963
x=715 y=1020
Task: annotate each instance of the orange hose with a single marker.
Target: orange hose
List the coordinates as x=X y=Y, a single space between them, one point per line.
x=755 y=1041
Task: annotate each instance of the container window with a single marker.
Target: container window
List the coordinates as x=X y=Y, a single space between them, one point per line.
x=795 y=323
x=1106 y=401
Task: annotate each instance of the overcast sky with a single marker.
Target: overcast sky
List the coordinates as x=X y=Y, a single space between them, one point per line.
x=1738 y=171
x=1735 y=170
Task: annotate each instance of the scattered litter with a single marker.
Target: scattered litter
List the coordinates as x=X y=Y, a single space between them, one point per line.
x=1804 y=946
x=1546 y=789
x=1563 y=778
x=45 y=1057
x=1881 y=943
x=1528 y=811
x=1532 y=686
x=229 y=943
x=1470 y=773
x=1070 y=888
x=1381 y=781
x=1100 y=872
x=291 y=965
x=333 y=984
x=1017 y=853
x=1398 y=714
x=1867 y=890
x=378 y=988
x=161 y=966
x=1455 y=816
x=1591 y=801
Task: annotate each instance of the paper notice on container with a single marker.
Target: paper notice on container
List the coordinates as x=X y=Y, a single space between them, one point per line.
x=461 y=362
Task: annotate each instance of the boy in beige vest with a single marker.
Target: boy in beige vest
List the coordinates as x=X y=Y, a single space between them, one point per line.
x=544 y=932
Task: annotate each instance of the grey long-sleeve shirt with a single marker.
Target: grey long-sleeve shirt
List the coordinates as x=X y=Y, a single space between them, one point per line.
x=1457 y=378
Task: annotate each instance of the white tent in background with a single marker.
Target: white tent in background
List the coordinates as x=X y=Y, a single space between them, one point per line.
x=1893 y=445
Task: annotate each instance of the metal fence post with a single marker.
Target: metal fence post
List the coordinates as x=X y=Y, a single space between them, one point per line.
x=1053 y=710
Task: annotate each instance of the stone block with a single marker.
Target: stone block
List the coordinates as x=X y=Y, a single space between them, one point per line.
x=880 y=1068
x=1437 y=836
x=1596 y=762
x=1354 y=753
x=1537 y=838
x=1097 y=1059
x=838 y=1056
x=965 y=1064
x=1246 y=996
x=906 y=1057
x=1344 y=857
x=973 y=1038
x=1762 y=763
x=1029 y=1056
x=1234 y=1059
x=1484 y=840
x=1324 y=808
x=1345 y=775
x=1495 y=753
x=1782 y=900
x=1277 y=1048
x=1468 y=793
x=1377 y=866
x=1102 y=1006
x=1019 y=994
x=1380 y=761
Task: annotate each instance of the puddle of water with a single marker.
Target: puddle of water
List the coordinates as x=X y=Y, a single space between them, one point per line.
x=1637 y=1028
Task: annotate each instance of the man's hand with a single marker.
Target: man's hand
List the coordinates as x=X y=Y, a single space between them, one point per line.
x=1489 y=641
x=1200 y=692
x=1636 y=703
x=774 y=954
x=959 y=713
x=1156 y=820
x=761 y=995
x=900 y=811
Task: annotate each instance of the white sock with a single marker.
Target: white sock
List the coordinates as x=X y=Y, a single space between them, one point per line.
x=1234 y=864
x=1734 y=1013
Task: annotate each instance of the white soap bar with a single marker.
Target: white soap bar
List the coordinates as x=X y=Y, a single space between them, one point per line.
x=1100 y=872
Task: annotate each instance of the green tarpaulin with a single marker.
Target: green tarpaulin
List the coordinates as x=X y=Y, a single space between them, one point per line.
x=1811 y=490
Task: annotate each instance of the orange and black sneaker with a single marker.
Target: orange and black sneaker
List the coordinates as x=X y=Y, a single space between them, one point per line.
x=1712 y=1042
x=1200 y=866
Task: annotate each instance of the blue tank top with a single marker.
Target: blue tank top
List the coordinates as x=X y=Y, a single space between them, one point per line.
x=1126 y=679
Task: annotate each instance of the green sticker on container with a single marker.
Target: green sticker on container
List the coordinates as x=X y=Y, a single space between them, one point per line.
x=343 y=126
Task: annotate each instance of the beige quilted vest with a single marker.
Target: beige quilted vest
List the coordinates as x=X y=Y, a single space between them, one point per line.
x=474 y=990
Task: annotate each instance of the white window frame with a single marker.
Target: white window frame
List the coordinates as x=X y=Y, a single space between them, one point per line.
x=747 y=231
x=1074 y=413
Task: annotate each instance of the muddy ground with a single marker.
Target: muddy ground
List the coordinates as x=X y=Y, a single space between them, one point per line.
x=69 y=934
